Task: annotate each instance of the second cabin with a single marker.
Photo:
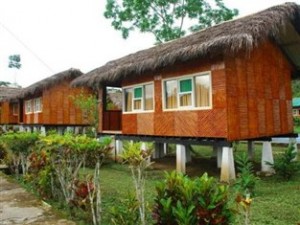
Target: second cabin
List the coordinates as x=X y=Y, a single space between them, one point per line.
x=49 y=104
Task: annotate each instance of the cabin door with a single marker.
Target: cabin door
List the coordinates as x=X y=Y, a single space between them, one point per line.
x=112 y=109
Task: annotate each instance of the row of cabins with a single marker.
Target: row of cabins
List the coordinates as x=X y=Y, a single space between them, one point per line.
x=226 y=83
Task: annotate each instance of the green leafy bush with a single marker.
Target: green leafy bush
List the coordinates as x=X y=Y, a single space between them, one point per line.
x=139 y=161
x=296 y=121
x=125 y=211
x=182 y=201
x=286 y=166
x=18 y=146
x=246 y=181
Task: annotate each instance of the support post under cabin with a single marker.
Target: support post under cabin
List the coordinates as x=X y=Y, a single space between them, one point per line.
x=227 y=165
x=251 y=150
x=267 y=156
x=180 y=158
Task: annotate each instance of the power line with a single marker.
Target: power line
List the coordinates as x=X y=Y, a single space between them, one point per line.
x=26 y=47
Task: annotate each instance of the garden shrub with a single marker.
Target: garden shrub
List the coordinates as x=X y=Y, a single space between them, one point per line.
x=183 y=201
x=125 y=211
x=18 y=146
x=246 y=181
x=296 y=121
x=139 y=161
x=286 y=166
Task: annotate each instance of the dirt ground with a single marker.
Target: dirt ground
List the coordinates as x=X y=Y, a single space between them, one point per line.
x=19 y=207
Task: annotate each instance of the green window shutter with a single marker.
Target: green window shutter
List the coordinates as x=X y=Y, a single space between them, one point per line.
x=138 y=92
x=186 y=85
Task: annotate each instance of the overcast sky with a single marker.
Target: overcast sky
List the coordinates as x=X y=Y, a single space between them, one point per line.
x=54 y=35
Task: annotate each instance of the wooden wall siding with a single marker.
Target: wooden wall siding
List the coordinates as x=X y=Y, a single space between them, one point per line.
x=259 y=94
x=6 y=115
x=200 y=123
x=58 y=107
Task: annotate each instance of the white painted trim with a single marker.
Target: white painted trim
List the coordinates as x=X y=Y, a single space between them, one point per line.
x=31 y=106
x=142 y=85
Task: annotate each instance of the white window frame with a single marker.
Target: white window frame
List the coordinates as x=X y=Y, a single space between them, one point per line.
x=134 y=111
x=295 y=112
x=135 y=99
x=193 y=105
x=35 y=105
x=182 y=93
x=28 y=103
x=15 y=109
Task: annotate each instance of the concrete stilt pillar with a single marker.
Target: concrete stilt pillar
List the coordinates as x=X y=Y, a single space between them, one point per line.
x=157 y=149
x=119 y=147
x=293 y=142
x=144 y=147
x=43 y=131
x=227 y=166
x=219 y=156
x=180 y=158
x=267 y=156
x=77 y=130
x=251 y=150
x=188 y=156
x=22 y=128
x=165 y=149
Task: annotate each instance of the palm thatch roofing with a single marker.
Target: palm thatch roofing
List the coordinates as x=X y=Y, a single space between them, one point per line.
x=39 y=86
x=8 y=92
x=227 y=38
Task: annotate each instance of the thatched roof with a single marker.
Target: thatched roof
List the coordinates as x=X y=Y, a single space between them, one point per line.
x=39 y=86
x=8 y=92
x=229 y=37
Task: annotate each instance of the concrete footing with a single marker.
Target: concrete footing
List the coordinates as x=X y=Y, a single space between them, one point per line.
x=227 y=165
x=180 y=158
x=251 y=150
x=267 y=156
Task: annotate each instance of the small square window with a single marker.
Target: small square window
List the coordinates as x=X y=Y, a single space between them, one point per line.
x=186 y=85
x=138 y=92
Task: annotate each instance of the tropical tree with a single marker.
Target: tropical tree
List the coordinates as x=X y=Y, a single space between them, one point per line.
x=4 y=83
x=15 y=63
x=166 y=19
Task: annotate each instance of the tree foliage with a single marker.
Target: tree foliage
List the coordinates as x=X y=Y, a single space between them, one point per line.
x=166 y=19
x=4 y=83
x=88 y=104
x=14 y=61
x=296 y=88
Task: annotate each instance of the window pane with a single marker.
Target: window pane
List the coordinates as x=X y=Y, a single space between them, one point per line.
x=138 y=92
x=128 y=99
x=37 y=105
x=185 y=99
x=171 y=94
x=149 y=97
x=28 y=106
x=185 y=85
x=202 y=92
x=137 y=104
x=15 y=109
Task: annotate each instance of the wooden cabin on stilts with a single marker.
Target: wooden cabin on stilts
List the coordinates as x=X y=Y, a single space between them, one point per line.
x=226 y=83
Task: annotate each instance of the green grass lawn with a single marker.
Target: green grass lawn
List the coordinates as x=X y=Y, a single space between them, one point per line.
x=276 y=203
